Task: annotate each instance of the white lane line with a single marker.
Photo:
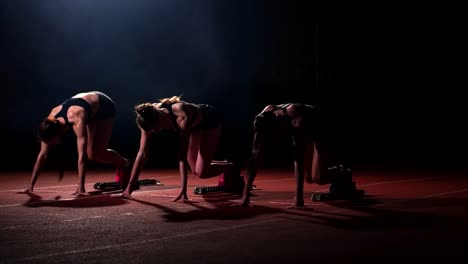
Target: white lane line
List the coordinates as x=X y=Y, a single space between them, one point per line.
x=44 y=256
x=385 y=182
x=74 y=219
x=84 y=197
x=406 y=200
x=285 y=179
x=161 y=195
x=84 y=218
x=97 y=216
x=67 y=186
x=441 y=194
x=140 y=242
x=138 y=193
x=400 y=181
x=9 y=205
x=54 y=201
x=305 y=204
x=47 y=187
x=270 y=202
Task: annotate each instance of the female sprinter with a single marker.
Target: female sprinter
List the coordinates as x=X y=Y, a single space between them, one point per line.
x=91 y=117
x=198 y=127
x=301 y=122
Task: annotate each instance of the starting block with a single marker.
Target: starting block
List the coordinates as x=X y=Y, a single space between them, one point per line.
x=223 y=186
x=207 y=189
x=116 y=185
x=230 y=182
x=342 y=188
x=332 y=196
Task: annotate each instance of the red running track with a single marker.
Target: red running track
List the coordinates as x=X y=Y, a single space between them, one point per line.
x=413 y=215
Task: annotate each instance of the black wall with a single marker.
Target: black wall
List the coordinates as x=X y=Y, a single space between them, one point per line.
x=382 y=73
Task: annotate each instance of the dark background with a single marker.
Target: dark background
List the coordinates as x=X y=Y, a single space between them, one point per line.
x=384 y=74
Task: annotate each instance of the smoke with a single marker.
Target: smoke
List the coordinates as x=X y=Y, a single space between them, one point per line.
x=133 y=50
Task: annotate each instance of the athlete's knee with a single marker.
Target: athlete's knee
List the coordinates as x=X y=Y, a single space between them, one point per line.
x=192 y=163
x=91 y=155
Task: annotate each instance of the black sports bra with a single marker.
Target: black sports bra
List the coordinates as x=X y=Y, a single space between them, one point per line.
x=168 y=106
x=73 y=101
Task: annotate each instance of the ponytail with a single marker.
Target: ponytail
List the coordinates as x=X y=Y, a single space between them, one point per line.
x=171 y=100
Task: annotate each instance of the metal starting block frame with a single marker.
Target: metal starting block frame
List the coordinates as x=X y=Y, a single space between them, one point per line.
x=221 y=187
x=331 y=196
x=116 y=185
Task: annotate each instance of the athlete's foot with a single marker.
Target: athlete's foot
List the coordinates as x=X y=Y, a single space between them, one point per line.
x=80 y=191
x=296 y=206
x=245 y=201
x=80 y=194
x=245 y=204
x=124 y=195
x=28 y=190
x=182 y=197
x=183 y=200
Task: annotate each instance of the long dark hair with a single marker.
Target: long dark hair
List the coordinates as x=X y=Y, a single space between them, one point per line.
x=147 y=116
x=49 y=129
x=263 y=123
